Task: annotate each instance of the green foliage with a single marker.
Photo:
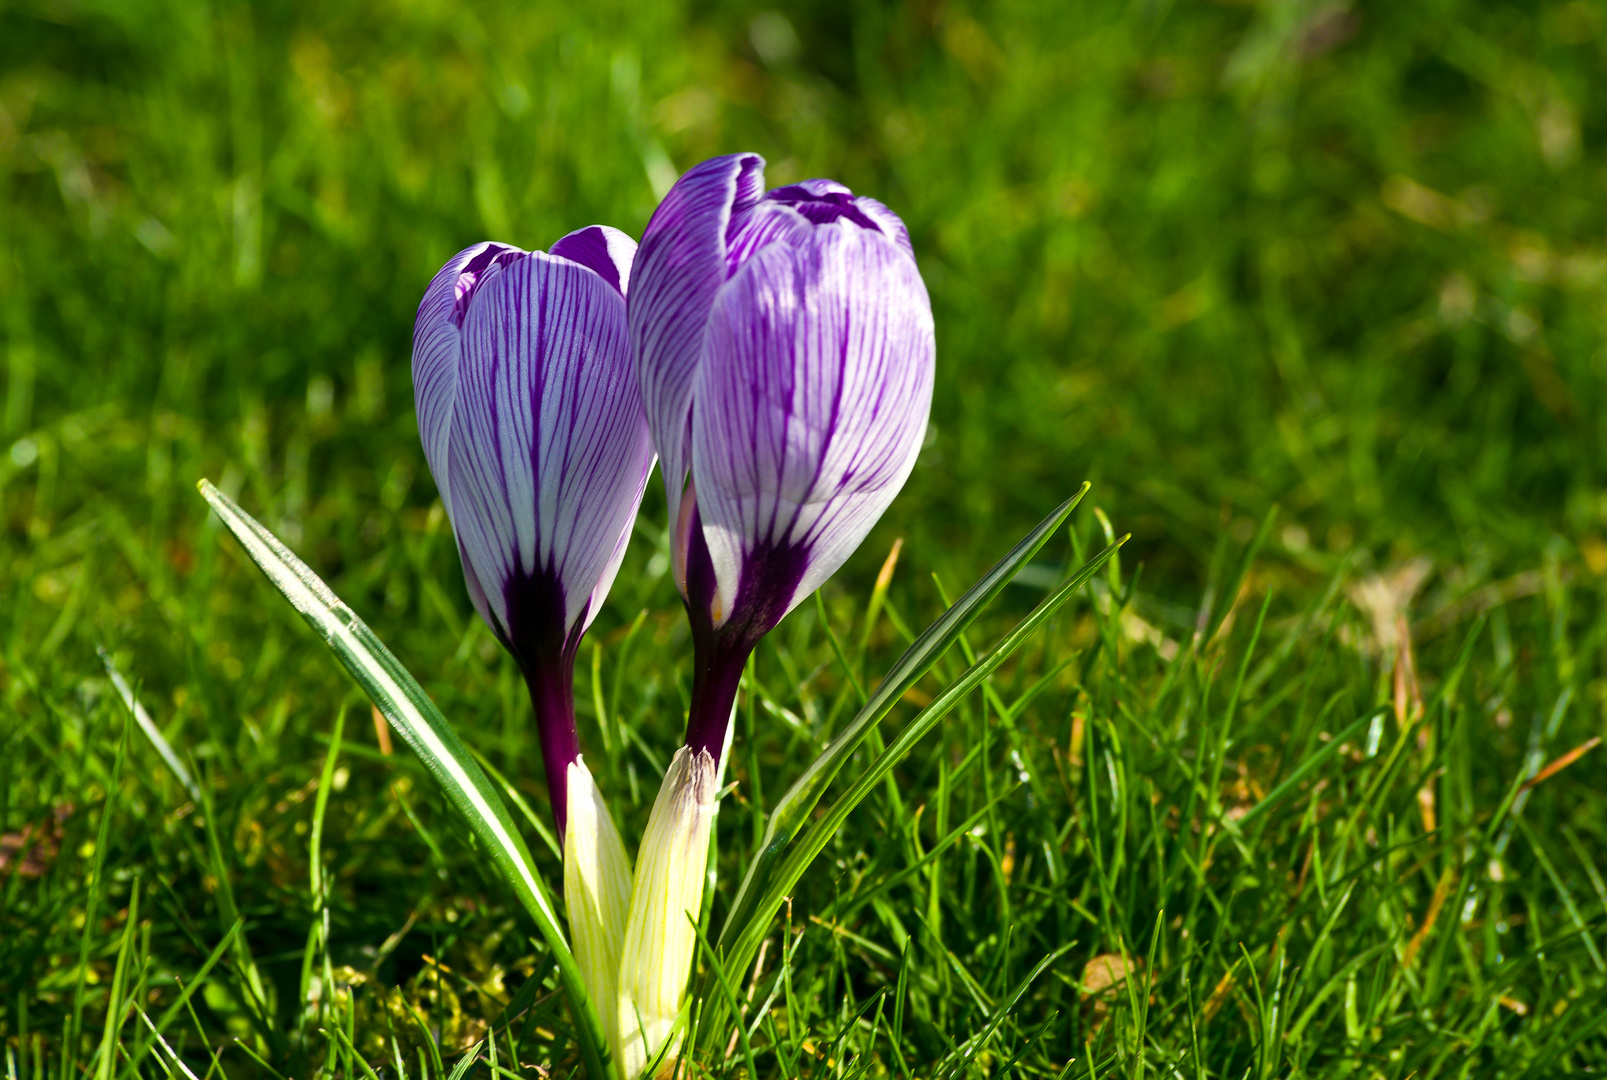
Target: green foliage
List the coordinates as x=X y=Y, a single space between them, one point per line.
x=402 y=703
x=1342 y=259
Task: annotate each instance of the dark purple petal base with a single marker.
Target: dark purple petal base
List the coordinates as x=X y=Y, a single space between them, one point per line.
x=769 y=579
x=546 y=656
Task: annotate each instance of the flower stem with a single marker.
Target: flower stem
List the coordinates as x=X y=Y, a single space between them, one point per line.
x=552 y=696
x=719 y=662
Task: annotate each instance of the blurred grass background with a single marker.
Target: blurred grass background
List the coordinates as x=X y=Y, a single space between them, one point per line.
x=1342 y=258
x=1345 y=259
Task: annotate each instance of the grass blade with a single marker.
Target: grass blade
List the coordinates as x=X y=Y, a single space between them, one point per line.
x=147 y=725
x=794 y=808
x=797 y=857
x=197 y=981
x=412 y=713
x=1303 y=770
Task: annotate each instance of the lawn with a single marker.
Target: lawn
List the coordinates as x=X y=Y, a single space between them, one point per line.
x=1303 y=784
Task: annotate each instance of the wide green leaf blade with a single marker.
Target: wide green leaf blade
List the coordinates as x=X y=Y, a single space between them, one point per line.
x=411 y=712
x=800 y=854
x=793 y=809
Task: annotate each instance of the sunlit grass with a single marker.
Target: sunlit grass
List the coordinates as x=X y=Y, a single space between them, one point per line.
x=1282 y=795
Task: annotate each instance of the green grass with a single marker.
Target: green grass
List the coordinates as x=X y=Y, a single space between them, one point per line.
x=1347 y=262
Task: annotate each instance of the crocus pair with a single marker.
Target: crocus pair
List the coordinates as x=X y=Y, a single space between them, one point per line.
x=775 y=350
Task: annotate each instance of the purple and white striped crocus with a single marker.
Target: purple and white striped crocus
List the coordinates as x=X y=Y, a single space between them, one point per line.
x=785 y=348
x=533 y=426
x=784 y=344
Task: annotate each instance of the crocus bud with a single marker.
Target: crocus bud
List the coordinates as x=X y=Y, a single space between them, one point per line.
x=533 y=427
x=785 y=348
x=597 y=892
x=661 y=932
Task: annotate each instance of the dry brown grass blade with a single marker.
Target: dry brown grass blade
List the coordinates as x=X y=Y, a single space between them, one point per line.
x=764 y=947
x=1079 y=725
x=1384 y=598
x=884 y=577
x=382 y=731
x=1219 y=996
x=1562 y=763
x=1442 y=891
x=1408 y=694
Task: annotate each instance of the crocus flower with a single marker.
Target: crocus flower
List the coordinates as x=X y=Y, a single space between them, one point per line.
x=784 y=345
x=533 y=426
x=534 y=430
x=785 y=348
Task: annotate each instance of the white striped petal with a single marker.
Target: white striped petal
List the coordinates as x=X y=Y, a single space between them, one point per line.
x=601 y=248
x=605 y=581
x=812 y=402
x=549 y=445
x=609 y=253
x=678 y=269
x=437 y=348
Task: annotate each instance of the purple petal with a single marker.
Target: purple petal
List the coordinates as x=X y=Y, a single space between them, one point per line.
x=603 y=249
x=766 y=222
x=825 y=201
x=888 y=222
x=810 y=407
x=822 y=202
x=817 y=188
x=549 y=444
x=436 y=349
x=605 y=580
x=678 y=269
